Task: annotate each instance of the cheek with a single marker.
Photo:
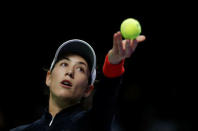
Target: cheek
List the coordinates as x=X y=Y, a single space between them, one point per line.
x=55 y=78
x=82 y=80
x=81 y=83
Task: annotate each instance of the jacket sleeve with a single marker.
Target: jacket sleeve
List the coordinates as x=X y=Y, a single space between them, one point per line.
x=105 y=97
x=20 y=128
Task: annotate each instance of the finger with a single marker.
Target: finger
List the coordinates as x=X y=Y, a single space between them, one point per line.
x=120 y=44
x=115 y=45
x=119 y=37
x=133 y=44
x=140 y=38
x=116 y=41
x=128 y=49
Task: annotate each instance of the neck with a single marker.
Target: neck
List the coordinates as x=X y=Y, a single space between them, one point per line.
x=55 y=105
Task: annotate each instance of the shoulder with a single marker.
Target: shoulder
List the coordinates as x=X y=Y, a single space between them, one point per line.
x=20 y=128
x=26 y=126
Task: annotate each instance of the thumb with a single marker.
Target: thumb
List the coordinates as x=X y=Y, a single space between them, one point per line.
x=140 y=38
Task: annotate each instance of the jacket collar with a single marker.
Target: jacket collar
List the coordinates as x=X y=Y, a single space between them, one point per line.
x=69 y=111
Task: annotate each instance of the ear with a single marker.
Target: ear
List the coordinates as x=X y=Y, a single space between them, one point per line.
x=88 y=90
x=48 y=78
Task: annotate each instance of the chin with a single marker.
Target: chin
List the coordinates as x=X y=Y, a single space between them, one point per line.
x=64 y=96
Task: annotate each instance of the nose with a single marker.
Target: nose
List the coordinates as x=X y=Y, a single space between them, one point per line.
x=70 y=73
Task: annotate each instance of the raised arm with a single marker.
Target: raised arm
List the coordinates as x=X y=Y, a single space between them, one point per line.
x=104 y=103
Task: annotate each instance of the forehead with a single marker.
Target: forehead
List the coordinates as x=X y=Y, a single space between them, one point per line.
x=73 y=57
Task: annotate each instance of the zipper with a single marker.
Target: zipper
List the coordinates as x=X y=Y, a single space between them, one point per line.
x=51 y=121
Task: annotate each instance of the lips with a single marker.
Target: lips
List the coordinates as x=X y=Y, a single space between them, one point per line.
x=66 y=84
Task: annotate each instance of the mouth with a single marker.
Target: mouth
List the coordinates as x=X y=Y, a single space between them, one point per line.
x=66 y=84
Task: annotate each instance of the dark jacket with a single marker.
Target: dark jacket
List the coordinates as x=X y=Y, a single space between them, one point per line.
x=74 y=118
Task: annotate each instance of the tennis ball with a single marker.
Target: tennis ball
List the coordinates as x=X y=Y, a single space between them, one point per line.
x=130 y=28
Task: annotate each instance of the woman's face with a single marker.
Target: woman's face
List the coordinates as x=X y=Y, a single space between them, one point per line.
x=68 y=80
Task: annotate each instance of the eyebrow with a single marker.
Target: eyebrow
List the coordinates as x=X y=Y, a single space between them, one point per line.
x=80 y=62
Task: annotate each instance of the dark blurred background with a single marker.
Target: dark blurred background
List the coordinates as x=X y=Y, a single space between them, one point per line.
x=158 y=90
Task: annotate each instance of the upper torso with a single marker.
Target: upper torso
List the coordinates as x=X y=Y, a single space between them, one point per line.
x=74 y=118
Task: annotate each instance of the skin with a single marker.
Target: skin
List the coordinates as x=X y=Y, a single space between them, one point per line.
x=60 y=97
x=74 y=69
x=123 y=49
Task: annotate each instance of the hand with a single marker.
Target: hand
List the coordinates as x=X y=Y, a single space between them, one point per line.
x=123 y=49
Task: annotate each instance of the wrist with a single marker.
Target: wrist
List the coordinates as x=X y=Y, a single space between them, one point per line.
x=113 y=70
x=113 y=59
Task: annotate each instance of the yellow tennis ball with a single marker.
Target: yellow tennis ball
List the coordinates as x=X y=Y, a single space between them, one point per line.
x=130 y=28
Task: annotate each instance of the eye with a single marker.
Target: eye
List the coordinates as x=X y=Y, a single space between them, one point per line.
x=80 y=69
x=64 y=64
